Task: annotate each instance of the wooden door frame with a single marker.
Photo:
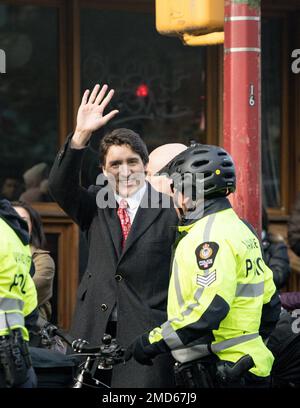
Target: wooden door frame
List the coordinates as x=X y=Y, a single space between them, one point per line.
x=55 y=221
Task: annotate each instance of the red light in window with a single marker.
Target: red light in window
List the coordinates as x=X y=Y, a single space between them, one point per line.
x=142 y=91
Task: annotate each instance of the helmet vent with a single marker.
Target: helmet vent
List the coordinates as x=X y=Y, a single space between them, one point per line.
x=210 y=186
x=229 y=176
x=222 y=154
x=202 y=151
x=199 y=163
x=179 y=162
x=227 y=164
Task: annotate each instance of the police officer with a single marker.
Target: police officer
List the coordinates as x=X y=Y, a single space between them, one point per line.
x=18 y=300
x=221 y=293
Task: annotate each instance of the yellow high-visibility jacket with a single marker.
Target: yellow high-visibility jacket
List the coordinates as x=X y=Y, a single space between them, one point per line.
x=217 y=291
x=18 y=296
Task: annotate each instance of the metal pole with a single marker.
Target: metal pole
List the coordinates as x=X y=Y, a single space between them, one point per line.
x=242 y=104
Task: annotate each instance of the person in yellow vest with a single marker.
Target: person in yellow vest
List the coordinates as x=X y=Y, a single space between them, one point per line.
x=222 y=301
x=18 y=300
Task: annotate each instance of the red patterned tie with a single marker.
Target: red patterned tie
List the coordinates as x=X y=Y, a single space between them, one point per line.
x=124 y=220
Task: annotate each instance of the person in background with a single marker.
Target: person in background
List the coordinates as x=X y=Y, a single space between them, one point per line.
x=293 y=227
x=158 y=158
x=11 y=189
x=291 y=300
x=275 y=253
x=43 y=263
x=36 y=183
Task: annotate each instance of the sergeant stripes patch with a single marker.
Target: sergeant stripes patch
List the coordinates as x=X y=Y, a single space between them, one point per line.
x=207 y=279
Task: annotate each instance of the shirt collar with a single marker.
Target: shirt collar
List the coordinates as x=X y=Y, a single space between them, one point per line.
x=134 y=200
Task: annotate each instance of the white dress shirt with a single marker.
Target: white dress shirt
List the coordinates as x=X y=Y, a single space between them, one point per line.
x=133 y=201
x=133 y=205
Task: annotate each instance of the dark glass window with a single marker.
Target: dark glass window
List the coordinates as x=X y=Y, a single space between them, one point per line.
x=28 y=99
x=160 y=83
x=271 y=110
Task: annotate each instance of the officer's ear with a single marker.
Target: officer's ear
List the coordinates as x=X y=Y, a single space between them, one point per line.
x=188 y=203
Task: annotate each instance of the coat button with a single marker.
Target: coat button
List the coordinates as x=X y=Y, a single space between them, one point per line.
x=103 y=307
x=118 y=278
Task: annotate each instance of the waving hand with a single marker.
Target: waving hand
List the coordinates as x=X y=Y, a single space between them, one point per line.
x=90 y=116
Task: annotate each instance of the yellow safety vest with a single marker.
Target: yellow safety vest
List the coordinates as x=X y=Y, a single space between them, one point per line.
x=218 y=287
x=18 y=296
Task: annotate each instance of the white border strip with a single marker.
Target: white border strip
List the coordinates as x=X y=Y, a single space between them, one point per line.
x=242 y=49
x=242 y=18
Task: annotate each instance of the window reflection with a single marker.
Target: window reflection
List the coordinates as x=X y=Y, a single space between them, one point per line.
x=160 y=84
x=28 y=97
x=271 y=110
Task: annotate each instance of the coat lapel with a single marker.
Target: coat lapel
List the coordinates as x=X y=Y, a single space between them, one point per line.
x=148 y=211
x=114 y=228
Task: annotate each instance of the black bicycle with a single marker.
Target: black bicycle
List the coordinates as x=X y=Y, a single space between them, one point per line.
x=82 y=367
x=86 y=361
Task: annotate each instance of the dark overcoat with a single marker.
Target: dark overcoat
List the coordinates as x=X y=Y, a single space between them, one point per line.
x=135 y=279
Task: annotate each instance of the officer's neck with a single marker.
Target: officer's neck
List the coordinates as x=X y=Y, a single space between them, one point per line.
x=206 y=207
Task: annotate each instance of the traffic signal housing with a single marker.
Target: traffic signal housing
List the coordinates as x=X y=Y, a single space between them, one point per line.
x=193 y=17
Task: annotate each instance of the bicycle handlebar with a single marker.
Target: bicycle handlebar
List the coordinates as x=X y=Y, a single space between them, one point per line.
x=109 y=351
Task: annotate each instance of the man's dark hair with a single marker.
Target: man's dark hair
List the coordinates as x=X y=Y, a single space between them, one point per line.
x=123 y=136
x=37 y=238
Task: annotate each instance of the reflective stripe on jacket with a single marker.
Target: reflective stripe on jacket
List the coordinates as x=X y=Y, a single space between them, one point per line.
x=17 y=291
x=218 y=287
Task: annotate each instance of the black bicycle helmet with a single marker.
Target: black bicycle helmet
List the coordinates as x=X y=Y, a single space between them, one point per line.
x=212 y=162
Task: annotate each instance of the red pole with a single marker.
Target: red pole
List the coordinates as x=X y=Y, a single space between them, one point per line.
x=242 y=104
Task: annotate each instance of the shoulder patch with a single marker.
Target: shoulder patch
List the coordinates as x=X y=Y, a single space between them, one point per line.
x=206 y=254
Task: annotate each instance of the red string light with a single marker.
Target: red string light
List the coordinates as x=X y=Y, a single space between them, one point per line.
x=142 y=91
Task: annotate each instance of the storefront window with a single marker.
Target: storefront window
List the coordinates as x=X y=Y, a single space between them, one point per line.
x=28 y=100
x=271 y=110
x=160 y=84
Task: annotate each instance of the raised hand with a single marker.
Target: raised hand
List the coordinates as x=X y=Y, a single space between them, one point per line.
x=90 y=115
